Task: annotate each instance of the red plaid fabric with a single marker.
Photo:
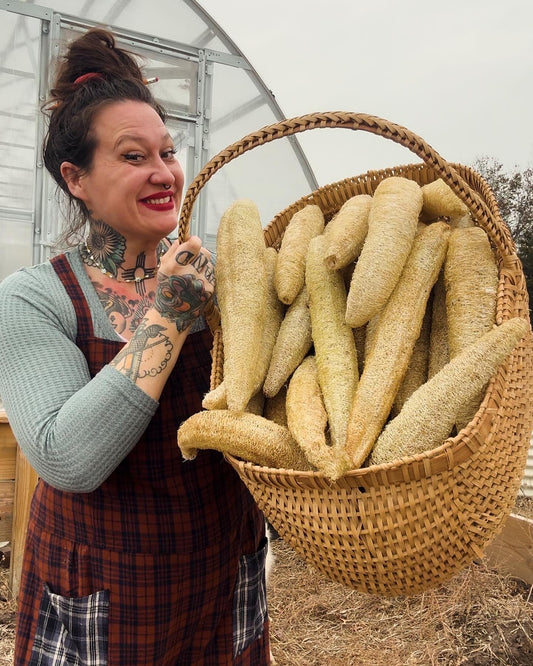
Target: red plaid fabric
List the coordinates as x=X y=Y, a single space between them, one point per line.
x=165 y=538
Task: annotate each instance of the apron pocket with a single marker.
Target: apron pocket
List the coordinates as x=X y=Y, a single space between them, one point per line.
x=71 y=632
x=249 y=601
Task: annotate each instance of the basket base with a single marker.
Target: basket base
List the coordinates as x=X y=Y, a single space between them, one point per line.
x=374 y=540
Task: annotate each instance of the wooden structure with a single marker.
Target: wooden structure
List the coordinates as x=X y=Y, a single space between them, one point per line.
x=8 y=461
x=511 y=552
x=17 y=483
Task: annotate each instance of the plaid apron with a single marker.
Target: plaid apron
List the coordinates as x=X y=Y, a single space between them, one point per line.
x=163 y=564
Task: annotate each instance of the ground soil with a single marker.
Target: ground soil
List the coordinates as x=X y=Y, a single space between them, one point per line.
x=480 y=618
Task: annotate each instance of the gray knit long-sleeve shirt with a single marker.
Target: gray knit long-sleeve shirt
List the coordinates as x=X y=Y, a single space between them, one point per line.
x=74 y=430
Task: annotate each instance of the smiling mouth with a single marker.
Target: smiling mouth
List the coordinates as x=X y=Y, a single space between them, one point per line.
x=161 y=200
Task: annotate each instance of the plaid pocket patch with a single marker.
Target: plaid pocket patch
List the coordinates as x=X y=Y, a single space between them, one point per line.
x=71 y=632
x=249 y=601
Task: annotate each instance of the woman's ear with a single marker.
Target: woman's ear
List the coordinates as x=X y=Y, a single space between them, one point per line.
x=72 y=176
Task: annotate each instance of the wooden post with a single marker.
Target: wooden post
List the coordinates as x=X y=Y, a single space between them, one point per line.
x=17 y=483
x=25 y=482
x=8 y=457
x=511 y=552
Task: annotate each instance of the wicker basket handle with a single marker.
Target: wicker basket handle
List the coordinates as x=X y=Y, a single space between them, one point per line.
x=356 y=121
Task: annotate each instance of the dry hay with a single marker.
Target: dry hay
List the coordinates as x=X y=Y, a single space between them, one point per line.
x=7 y=615
x=480 y=618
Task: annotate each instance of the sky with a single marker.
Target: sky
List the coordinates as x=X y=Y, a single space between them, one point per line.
x=458 y=73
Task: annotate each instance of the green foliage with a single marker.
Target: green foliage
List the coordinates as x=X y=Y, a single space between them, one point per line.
x=514 y=194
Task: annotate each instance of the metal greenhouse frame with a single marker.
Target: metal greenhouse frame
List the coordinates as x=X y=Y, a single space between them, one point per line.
x=212 y=94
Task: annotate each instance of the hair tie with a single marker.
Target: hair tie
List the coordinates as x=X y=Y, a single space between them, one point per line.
x=86 y=77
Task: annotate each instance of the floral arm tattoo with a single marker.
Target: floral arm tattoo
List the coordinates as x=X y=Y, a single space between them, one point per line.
x=180 y=299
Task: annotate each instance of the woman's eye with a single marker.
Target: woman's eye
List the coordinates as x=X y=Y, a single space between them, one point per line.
x=132 y=157
x=169 y=154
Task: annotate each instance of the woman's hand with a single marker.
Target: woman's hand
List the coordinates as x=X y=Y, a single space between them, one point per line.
x=185 y=282
x=185 y=287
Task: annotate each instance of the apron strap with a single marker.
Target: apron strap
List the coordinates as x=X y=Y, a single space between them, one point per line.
x=69 y=280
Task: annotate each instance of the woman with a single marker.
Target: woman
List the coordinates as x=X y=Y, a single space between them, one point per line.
x=133 y=556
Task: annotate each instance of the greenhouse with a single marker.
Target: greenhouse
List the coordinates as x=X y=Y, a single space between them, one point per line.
x=211 y=92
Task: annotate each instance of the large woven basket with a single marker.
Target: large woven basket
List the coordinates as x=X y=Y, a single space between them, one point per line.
x=408 y=526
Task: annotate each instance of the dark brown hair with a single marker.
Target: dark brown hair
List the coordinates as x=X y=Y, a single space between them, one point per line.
x=72 y=107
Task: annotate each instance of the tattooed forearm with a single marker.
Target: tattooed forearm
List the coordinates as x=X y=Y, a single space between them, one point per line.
x=141 y=356
x=180 y=299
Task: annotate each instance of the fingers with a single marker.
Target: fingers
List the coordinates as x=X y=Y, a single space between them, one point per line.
x=189 y=250
x=186 y=282
x=190 y=254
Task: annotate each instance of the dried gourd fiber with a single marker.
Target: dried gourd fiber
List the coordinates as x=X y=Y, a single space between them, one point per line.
x=290 y=268
x=370 y=332
x=256 y=404
x=471 y=283
x=428 y=416
x=373 y=322
x=291 y=346
x=307 y=419
x=464 y=221
x=397 y=329
x=335 y=352
x=346 y=232
x=439 y=353
x=241 y=288
x=392 y=225
x=417 y=370
x=439 y=200
x=275 y=407
x=359 y=336
x=217 y=398
x=274 y=312
x=247 y=436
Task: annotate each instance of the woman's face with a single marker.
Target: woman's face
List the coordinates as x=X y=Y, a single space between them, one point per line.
x=135 y=183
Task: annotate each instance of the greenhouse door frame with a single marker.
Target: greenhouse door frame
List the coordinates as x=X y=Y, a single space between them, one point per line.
x=44 y=213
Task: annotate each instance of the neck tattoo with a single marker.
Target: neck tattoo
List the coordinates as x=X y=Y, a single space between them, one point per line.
x=138 y=274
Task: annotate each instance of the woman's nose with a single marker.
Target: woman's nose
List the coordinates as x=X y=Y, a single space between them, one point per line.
x=162 y=174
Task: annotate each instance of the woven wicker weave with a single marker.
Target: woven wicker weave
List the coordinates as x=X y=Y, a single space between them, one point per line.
x=407 y=526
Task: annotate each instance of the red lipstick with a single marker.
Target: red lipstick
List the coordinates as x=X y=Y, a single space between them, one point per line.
x=160 y=201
